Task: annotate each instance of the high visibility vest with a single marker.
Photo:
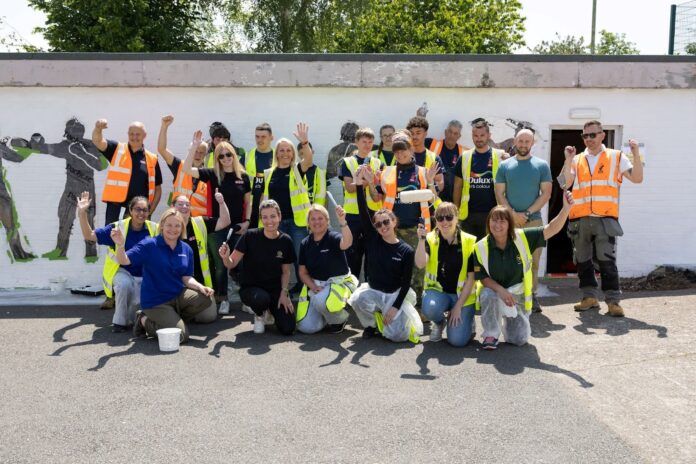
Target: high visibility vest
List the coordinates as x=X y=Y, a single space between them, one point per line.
x=350 y=199
x=380 y=156
x=340 y=290
x=201 y=234
x=183 y=185
x=482 y=253
x=466 y=158
x=430 y=159
x=391 y=187
x=597 y=193
x=118 y=176
x=111 y=262
x=430 y=280
x=299 y=198
x=318 y=193
x=250 y=164
x=436 y=147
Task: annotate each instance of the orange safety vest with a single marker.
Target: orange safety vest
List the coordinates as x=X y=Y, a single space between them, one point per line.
x=389 y=176
x=437 y=145
x=597 y=193
x=183 y=185
x=119 y=175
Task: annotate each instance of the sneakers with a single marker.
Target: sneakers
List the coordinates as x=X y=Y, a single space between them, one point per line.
x=108 y=303
x=615 y=310
x=224 y=307
x=259 y=326
x=268 y=318
x=587 y=303
x=490 y=344
x=370 y=332
x=247 y=309
x=118 y=328
x=536 y=306
x=138 y=329
x=336 y=328
x=436 y=329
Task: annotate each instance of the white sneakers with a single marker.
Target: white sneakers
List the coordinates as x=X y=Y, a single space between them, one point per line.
x=224 y=307
x=247 y=309
x=268 y=318
x=436 y=329
x=259 y=326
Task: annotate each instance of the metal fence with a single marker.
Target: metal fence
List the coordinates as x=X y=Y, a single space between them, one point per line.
x=682 y=30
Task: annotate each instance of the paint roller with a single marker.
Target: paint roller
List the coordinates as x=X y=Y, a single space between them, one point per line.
x=416 y=196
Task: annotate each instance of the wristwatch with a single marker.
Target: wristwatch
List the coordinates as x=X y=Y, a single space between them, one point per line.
x=528 y=213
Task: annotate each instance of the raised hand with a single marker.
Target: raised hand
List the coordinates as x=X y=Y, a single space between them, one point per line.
x=197 y=138
x=224 y=251
x=635 y=147
x=83 y=202
x=101 y=124
x=218 y=197
x=421 y=231
x=368 y=174
x=117 y=236
x=432 y=172
x=568 y=200
x=340 y=214
x=301 y=134
x=570 y=152
x=167 y=120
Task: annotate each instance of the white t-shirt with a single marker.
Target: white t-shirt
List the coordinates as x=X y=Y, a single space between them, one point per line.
x=624 y=165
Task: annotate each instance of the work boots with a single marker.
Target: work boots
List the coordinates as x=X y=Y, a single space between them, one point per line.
x=615 y=310
x=587 y=303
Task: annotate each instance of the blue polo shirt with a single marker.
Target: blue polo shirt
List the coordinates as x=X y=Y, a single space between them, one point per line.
x=163 y=269
x=103 y=235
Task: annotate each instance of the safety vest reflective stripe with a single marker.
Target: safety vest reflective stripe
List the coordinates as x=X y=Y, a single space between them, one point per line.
x=201 y=234
x=111 y=264
x=430 y=281
x=466 y=160
x=597 y=193
x=299 y=198
x=119 y=183
x=350 y=199
x=339 y=292
x=319 y=190
x=183 y=185
x=436 y=146
x=391 y=188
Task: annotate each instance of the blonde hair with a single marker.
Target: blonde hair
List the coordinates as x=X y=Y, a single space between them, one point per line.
x=169 y=213
x=318 y=208
x=295 y=156
x=236 y=165
x=447 y=207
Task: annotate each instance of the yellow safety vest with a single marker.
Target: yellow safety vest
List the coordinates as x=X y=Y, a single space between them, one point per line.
x=482 y=253
x=318 y=194
x=338 y=296
x=299 y=198
x=350 y=199
x=111 y=264
x=466 y=158
x=430 y=158
x=430 y=280
x=380 y=155
x=201 y=234
x=250 y=164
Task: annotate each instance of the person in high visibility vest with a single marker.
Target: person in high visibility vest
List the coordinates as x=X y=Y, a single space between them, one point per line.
x=268 y=256
x=324 y=271
x=121 y=283
x=384 y=151
x=314 y=180
x=364 y=139
x=184 y=184
x=595 y=176
x=449 y=150
x=504 y=267
x=385 y=304
x=170 y=296
x=133 y=171
x=284 y=184
x=418 y=127
x=474 y=177
x=447 y=255
x=198 y=229
x=256 y=161
x=228 y=178
x=218 y=134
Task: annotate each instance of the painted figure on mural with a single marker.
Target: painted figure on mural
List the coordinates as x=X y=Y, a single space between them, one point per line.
x=81 y=160
x=8 y=213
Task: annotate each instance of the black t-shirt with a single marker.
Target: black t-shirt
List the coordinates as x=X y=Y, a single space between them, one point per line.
x=388 y=156
x=309 y=178
x=138 y=185
x=279 y=189
x=481 y=189
x=174 y=169
x=263 y=259
x=420 y=161
x=263 y=162
x=407 y=179
x=449 y=257
x=190 y=239
x=323 y=259
x=233 y=190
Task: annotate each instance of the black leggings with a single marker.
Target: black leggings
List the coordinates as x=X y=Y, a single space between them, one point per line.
x=260 y=300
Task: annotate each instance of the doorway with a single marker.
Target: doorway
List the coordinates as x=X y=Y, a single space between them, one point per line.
x=559 y=258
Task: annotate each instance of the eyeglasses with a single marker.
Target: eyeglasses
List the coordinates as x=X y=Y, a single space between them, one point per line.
x=140 y=210
x=590 y=135
x=446 y=217
x=225 y=155
x=380 y=224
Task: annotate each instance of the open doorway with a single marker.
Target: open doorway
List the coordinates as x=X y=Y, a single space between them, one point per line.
x=559 y=258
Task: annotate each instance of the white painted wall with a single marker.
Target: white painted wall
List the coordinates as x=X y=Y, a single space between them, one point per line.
x=658 y=216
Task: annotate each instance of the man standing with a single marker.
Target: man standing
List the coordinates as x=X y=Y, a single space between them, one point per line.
x=595 y=176
x=523 y=183
x=133 y=170
x=474 y=175
x=449 y=150
x=418 y=126
x=255 y=163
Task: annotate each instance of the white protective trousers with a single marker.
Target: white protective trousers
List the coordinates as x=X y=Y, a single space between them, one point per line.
x=318 y=316
x=516 y=330
x=366 y=301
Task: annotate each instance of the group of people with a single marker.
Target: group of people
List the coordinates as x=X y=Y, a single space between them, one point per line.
x=435 y=231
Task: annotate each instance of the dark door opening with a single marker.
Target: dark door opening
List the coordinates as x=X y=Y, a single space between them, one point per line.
x=559 y=258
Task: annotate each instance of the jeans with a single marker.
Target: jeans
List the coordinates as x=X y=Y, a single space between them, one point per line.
x=435 y=304
x=126 y=296
x=296 y=233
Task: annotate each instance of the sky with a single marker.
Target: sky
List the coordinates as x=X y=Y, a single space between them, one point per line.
x=645 y=23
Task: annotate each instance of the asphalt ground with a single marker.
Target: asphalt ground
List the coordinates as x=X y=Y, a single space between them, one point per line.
x=587 y=388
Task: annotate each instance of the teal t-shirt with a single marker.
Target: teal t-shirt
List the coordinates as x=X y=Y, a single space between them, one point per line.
x=522 y=179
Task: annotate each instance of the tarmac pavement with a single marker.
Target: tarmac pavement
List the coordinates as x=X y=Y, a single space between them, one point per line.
x=587 y=388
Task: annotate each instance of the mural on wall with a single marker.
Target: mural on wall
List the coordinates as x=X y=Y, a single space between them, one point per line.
x=8 y=213
x=344 y=148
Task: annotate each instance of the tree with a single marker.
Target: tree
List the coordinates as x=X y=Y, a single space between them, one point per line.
x=569 y=45
x=690 y=49
x=12 y=41
x=125 y=25
x=433 y=26
x=611 y=43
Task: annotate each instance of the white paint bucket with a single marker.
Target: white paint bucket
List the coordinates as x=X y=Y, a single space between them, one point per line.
x=169 y=339
x=57 y=284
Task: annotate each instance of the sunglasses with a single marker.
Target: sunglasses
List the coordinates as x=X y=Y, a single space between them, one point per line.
x=140 y=210
x=446 y=217
x=225 y=155
x=590 y=135
x=380 y=224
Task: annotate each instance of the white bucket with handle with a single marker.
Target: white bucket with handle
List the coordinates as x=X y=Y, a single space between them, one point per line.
x=169 y=339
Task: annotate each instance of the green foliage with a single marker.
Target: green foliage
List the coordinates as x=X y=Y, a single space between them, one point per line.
x=12 y=41
x=610 y=43
x=690 y=49
x=433 y=26
x=125 y=25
